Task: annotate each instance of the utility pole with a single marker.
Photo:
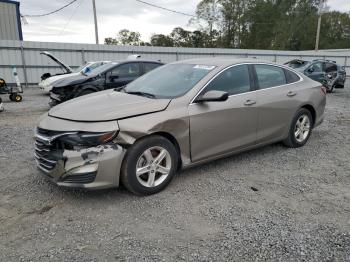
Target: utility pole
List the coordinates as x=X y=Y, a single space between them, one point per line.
x=321 y=9
x=95 y=19
x=318 y=31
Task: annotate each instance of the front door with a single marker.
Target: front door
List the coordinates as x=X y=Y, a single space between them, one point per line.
x=316 y=71
x=222 y=127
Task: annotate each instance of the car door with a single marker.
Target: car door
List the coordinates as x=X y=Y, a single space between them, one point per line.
x=277 y=99
x=316 y=71
x=221 y=127
x=123 y=74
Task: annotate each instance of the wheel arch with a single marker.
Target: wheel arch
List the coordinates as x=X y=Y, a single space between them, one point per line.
x=312 y=111
x=173 y=140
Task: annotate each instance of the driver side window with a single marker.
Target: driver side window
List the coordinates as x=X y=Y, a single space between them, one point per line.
x=234 y=80
x=126 y=70
x=317 y=67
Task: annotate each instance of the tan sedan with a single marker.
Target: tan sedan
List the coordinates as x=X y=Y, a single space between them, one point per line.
x=174 y=117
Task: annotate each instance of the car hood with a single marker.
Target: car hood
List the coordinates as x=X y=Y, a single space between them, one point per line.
x=70 y=80
x=65 y=67
x=52 y=79
x=107 y=105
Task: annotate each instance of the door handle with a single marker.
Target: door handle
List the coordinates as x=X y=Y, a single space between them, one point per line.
x=291 y=93
x=249 y=102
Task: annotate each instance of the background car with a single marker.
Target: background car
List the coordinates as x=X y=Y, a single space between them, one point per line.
x=177 y=116
x=47 y=83
x=65 y=68
x=111 y=75
x=321 y=71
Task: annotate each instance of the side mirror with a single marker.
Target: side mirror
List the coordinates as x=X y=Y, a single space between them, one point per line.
x=213 y=96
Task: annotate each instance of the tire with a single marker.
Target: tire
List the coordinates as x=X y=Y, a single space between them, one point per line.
x=12 y=97
x=18 y=98
x=85 y=92
x=153 y=176
x=293 y=140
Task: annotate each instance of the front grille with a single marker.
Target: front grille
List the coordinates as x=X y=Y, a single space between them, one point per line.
x=80 y=179
x=46 y=151
x=43 y=156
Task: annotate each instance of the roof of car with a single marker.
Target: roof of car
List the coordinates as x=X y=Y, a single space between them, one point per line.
x=138 y=60
x=218 y=61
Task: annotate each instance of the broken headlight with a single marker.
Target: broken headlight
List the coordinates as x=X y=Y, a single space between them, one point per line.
x=88 y=138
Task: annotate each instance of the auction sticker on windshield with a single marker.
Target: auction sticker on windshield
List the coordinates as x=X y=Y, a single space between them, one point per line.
x=205 y=67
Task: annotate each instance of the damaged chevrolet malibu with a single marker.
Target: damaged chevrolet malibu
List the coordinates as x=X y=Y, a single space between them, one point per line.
x=179 y=115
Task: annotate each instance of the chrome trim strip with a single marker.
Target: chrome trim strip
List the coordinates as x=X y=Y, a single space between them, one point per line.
x=40 y=150
x=48 y=139
x=248 y=63
x=41 y=164
x=45 y=159
x=42 y=168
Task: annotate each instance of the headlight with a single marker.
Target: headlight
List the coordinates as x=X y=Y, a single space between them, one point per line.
x=88 y=138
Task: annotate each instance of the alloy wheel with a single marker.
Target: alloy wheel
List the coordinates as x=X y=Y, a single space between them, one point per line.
x=153 y=166
x=302 y=128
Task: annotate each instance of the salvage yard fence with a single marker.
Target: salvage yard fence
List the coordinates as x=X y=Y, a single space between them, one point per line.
x=30 y=65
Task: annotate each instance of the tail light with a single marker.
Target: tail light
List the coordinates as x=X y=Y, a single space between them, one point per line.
x=324 y=90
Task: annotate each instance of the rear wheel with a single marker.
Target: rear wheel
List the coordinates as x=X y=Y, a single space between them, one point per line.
x=300 y=129
x=149 y=165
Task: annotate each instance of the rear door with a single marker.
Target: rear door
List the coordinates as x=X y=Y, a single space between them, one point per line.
x=123 y=74
x=221 y=127
x=277 y=99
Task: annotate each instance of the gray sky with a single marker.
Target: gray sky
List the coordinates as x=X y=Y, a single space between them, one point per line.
x=75 y=23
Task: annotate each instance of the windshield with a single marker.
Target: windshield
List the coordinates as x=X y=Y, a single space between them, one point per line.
x=80 y=68
x=101 y=69
x=169 y=81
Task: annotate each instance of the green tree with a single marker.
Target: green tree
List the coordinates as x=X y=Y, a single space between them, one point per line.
x=181 y=37
x=161 y=40
x=335 y=30
x=125 y=37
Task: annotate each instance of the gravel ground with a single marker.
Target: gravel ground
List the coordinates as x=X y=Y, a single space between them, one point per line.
x=272 y=203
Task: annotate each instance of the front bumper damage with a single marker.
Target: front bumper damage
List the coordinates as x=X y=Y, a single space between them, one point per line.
x=55 y=99
x=91 y=168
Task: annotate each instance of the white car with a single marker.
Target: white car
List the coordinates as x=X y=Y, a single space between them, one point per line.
x=47 y=79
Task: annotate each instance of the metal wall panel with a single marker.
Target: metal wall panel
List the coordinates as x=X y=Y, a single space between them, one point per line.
x=9 y=27
x=75 y=54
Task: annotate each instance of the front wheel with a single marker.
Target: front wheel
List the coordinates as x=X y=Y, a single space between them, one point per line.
x=300 y=129
x=149 y=165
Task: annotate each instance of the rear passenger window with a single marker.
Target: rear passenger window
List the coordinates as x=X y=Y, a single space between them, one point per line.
x=270 y=76
x=330 y=67
x=291 y=77
x=150 y=66
x=234 y=80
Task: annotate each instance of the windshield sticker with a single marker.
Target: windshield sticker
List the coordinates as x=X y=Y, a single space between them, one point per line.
x=205 y=67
